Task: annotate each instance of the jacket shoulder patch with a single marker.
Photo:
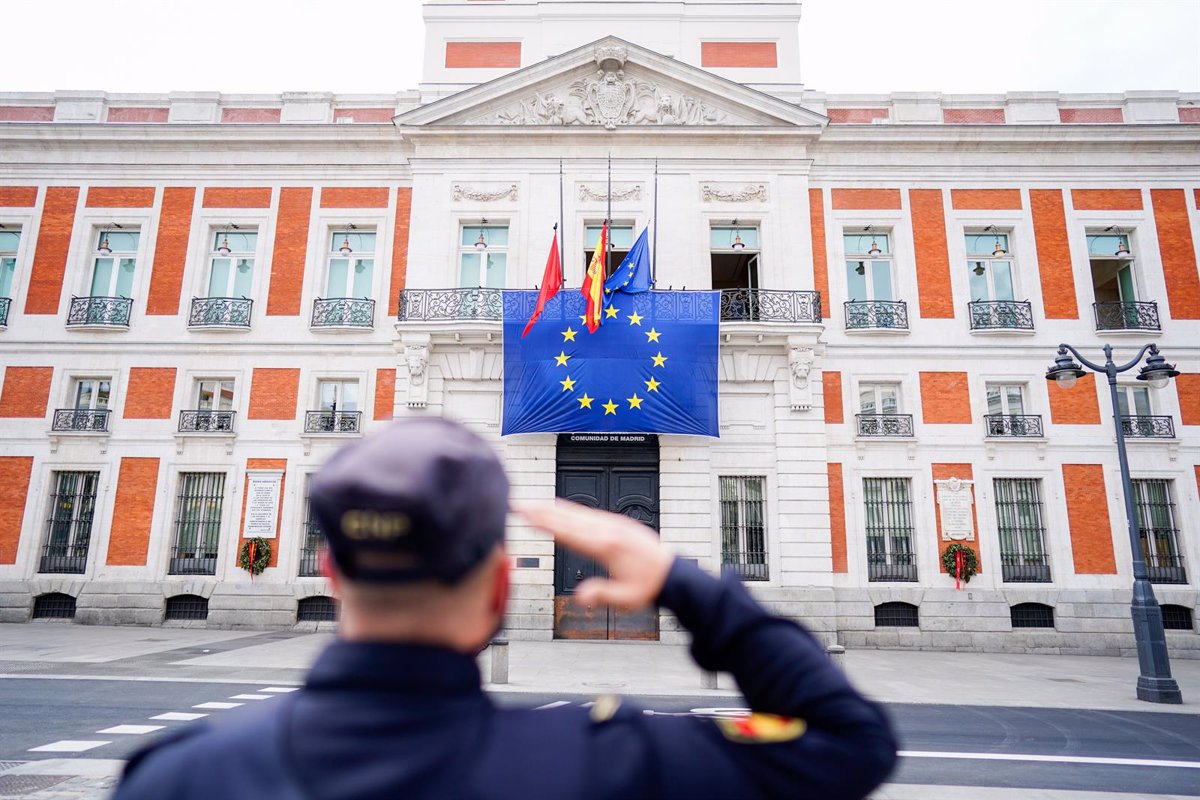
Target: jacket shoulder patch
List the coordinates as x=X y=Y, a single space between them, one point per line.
x=762 y=729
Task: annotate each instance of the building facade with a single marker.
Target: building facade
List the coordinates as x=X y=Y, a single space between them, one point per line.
x=204 y=295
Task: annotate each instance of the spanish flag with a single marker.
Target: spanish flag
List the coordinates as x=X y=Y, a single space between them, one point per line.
x=593 y=283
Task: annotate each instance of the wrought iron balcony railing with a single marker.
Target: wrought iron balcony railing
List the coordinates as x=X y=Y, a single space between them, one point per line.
x=1127 y=316
x=885 y=424
x=202 y=421
x=5 y=304
x=737 y=305
x=876 y=315
x=1166 y=569
x=1024 y=568
x=749 y=565
x=193 y=561
x=1000 y=315
x=80 y=419
x=310 y=554
x=111 y=312
x=332 y=421
x=343 y=312
x=1013 y=425
x=891 y=567
x=220 y=312
x=1148 y=427
x=68 y=559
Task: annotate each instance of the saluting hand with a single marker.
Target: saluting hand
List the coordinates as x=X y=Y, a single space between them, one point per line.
x=636 y=561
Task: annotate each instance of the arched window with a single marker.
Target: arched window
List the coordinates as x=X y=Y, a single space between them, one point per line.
x=896 y=615
x=54 y=605
x=1032 y=615
x=186 y=606
x=316 y=609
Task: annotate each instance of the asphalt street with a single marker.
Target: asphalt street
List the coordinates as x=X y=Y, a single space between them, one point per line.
x=1115 y=751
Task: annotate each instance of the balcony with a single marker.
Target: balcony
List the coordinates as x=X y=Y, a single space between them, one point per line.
x=748 y=565
x=1148 y=427
x=64 y=559
x=876 y=315
x=203 y=421
x=1000 y=315
x=900 y=425
x=80 y=419
x=769 y=305
x=891 y=567
x=1013 y=425
x=5 y=304
x=354 y=313
x=190 y=561
x=99 y=312
x=332 y=421
x=1165 y=569
x=1024 y=568
x=1122 y=316
x=221 y=313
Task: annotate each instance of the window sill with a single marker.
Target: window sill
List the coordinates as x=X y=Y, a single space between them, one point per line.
x=98 y=437
x=909 y=442
x=98 y=327
x=219 y=328
x=340 y=328
x=225 y=437
x=306 y=439
x=1003 y=331
x=1128 y=333
x=878 y=331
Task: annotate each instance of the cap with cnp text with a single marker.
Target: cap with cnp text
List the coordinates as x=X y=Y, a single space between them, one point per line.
x=423 y=499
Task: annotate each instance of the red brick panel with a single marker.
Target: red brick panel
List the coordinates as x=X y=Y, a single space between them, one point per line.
x=1189 y=114
x=856 y=116
x=291 y=251
x=933 y=256
x=26 y=113
x=973 y=116
x=273 y=393
x=120 y=197
x=133 y=512
x=50 y=257
x=831 y=386
x=260 y=115
x=361 y=115
x=400 y=249
x=738 y=54
x=816 y=219
x=483 y=55
x=1188 y=388
x=237 y=197
x=1054 y=253
x=385 y=394
x=865 y=199
x=1106 y=199
x=14 y=489
x=259 y=464
x=132 y=114
x=18 y=196
x=170 y=253
x=1088 y=519
x=986 y=199
x=151 y=393
x=1078 y=405
x=837 y=517
x=26 y=392
x=945 y=398
x=1178 y=252
x=1089 y=115
x=943 y=472
x=353 y=197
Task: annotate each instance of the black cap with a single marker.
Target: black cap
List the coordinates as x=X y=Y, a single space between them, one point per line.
x=423 y=499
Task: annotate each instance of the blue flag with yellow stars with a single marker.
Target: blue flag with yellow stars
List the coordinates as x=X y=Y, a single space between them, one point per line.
x=650 y=368
x=633 y=275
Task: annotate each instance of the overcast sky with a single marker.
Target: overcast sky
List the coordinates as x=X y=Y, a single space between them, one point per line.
x=374 y=45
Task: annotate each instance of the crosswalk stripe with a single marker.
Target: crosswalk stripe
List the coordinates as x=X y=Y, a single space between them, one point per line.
x=217 y=706
x=179 y=716
x=555 y=704
x=281 y=689
x=68 y=746
x=135 y=730
x=252 y=697
x=1119 y=762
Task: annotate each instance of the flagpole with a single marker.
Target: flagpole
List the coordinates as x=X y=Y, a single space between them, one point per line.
x=608 y=223
x=561 y=227
x=654 y=220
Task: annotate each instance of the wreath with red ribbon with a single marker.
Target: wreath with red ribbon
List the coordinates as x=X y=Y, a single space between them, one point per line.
x=255 y=555
x=961 y=562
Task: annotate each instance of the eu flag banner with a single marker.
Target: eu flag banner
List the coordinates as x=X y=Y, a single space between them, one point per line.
x=650 y=368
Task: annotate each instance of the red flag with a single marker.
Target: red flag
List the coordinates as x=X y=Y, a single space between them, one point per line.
x=551 y=283
x=593 y=283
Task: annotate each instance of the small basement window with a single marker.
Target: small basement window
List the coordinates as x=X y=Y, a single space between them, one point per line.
x=54 y=605
x=1032 y=615
x=316 y=609
x=186 y=606
x=1177 y=618
x=896 y=615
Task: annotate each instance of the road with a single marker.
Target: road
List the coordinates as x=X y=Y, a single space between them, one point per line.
x=1057 y=749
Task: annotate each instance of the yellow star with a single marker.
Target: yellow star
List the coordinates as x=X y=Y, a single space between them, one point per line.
x=635 y=318
x=660 y=360
x=652 y=335
x=635 y=401
x=568 y=385
x=569 y=334
x=585 y=401
x=652 y=385
x=611 y=312
x=561 y=359
x=610 y=408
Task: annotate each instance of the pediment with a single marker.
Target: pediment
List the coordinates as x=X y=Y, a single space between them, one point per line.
x=611 y=84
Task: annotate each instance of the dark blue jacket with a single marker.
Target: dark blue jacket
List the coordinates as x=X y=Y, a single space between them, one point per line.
x=404 y=722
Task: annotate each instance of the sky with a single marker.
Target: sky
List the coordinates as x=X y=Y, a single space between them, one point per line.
x=270 y=46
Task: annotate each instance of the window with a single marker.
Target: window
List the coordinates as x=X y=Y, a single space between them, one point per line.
x=620 y=240
x=1159 y=535
x=868 y=266
x=339 y=408
x=743 y=526
x=54 y=605
x=92 y=394
x=317 y=608
x=1177 y=618
x=1032 y=615
x=214 y=395
x=1134 y=401
x=338 y=395
x=989 y=266
x=213 y=410
x=1114 y=284
x=115 y=262
x=231 y=264
x=1022 y=534
x=186 y=606
x=889 y=530
x=896 y=615
x=351 y=264
x=9 y=242
x=314 y=540
x=734 y=256
x=879 y=398
x=89 y=412
x=198 y=523
x=1006 y=398
x=483 y=256
x=69 y=528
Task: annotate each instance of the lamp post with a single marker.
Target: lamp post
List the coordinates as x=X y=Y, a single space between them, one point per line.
x=1154 y=683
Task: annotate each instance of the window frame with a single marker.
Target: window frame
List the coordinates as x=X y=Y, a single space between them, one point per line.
x=1127 y=394
x=12 y=258
x=339 y=382
x=72 y=542
x=887 y=258
x=876 y=386
x=990 y=263
x=77 y=384
x=734 y=489
x=234 y=257
x=889 y=551
x=117 y=257
x=463 y=249
x=1029 y=542
x=1005 y=398
x=1151 y=536
x=203 y=524
x=332 y=253
x=198 y=383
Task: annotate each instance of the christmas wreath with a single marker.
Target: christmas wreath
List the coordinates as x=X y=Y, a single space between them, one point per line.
x=968 y=567
x=254 y=555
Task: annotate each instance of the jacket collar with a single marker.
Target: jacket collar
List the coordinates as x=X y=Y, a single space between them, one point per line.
x=394 y=667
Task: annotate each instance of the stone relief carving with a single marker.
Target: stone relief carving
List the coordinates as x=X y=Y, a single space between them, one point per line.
x=632 y=191
x=800 y=362
x=462 y=193
x=715 y=192
x=416 y=360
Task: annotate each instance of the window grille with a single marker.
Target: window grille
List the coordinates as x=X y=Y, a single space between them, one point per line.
x=1177 y=618
x=1159 y=535
x=316 y=609
x=54 y=605
x=69 y=528
x=896 y=615
x=889 y=517
x=1032 y=615
x=1022 y=534
x=743 y=527
x=198 y=523
x=186 y=606
x=314 y=540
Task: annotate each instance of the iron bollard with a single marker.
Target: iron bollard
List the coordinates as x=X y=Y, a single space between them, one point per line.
x=837 y=654
x=708 y=680
x=499 y=648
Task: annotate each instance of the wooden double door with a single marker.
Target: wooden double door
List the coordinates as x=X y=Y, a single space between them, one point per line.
x=616 y=473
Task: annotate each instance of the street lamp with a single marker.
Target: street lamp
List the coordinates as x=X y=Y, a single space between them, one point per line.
x=1154 y=683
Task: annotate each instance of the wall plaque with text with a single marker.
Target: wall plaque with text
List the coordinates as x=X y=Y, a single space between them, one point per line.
x=956 y=506
x=262 y=504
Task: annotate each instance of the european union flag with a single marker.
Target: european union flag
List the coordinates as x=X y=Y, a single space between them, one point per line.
x=650 y=368
x=633 y=276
